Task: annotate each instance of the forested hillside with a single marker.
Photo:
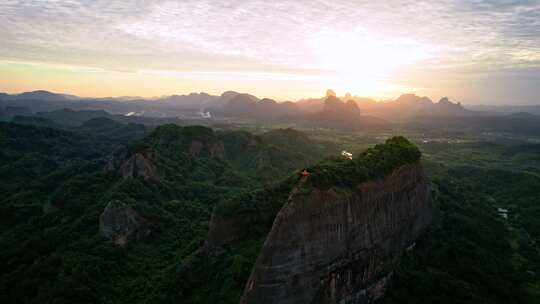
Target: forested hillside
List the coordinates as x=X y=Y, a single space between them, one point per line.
x=56 y=184
x=62 y=186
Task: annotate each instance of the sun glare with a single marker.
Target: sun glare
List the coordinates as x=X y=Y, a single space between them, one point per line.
x=362 y=61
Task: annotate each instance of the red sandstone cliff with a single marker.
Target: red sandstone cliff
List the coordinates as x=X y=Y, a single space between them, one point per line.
x=339 y=245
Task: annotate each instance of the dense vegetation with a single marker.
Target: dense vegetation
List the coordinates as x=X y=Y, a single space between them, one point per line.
x=255 y=211
x=472 y=253
x=370 y=164
x=54 y=187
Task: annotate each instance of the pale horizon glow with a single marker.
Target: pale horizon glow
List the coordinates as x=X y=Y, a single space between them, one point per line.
x=471 y=51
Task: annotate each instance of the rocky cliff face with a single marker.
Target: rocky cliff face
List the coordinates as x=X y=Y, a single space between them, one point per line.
x=339 y=245
x=120 y=223
x=138 y=164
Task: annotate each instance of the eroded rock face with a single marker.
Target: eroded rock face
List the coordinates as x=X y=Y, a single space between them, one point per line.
x=121 y=224
x=339 y=246
x=139 y=164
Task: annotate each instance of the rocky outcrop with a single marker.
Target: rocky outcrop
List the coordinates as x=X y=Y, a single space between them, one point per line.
x=337 y=114
x=335 y=108
x=119 y=223
x=138 y=164
x=339 y=245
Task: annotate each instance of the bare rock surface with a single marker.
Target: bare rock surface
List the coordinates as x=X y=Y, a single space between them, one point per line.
x=121 y=224
x=340 y=245
x=138 y=164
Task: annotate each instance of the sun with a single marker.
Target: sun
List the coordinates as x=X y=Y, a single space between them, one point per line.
x=364 y=61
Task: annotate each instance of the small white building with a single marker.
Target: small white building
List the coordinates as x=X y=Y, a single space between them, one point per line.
x=346 y=154
x=503 y=212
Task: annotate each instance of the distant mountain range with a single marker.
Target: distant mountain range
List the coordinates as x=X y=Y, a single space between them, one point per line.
x=347 y=113
x=506 y=109
x=35 y=95
x=405 y=107
x=228 y=103
x=338 y=114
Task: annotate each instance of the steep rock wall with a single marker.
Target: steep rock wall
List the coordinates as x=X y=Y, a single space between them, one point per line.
x=120 y=223
x=138 y=164
x=339 y=245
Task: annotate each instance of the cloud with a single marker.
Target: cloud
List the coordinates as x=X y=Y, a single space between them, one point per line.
x=269 y=32
x=291 y=37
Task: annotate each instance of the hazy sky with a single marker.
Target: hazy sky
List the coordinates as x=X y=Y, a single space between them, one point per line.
x=471 y=51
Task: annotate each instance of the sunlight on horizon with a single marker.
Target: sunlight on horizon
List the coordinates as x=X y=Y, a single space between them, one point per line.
x=89 y=82
x=286 y=50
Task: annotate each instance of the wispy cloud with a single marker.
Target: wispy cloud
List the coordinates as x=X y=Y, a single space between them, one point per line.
x=276 y=37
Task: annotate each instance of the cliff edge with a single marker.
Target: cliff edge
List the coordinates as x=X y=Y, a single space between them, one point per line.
x=337 y=238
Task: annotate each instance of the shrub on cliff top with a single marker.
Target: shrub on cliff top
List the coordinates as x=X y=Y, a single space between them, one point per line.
x=256 y=210
x=373 y=163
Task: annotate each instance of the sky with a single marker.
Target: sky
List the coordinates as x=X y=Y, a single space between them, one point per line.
x=475 y=52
